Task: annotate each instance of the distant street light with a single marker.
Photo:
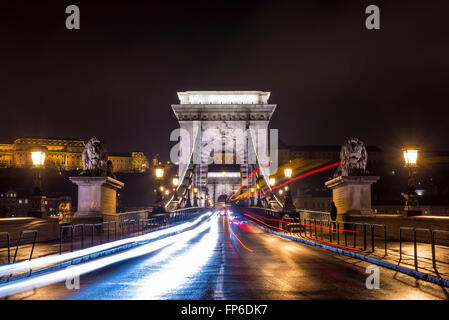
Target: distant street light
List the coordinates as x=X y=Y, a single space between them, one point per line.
x=175 y=184
x=288 y=172
x=288 y=203
x=272 y=183
x=411 y=197
x=195 y=198
x=159 y=173
x=251 y=194
x=259 y=200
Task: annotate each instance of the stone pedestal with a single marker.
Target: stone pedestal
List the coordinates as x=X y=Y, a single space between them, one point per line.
x=411 y=204
x=37 y=208
x=352 y=194
x=96 y=196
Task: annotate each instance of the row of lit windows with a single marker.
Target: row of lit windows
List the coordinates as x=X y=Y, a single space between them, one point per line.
x=9 y=195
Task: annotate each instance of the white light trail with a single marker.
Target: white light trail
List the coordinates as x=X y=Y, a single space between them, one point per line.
x=182 y=267
x=27 y=265
x=76 y=270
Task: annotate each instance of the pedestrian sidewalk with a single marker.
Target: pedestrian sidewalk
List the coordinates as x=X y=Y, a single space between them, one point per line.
x=42 y=249
x=407 y=259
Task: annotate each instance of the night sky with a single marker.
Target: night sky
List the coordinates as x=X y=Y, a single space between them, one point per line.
x=330 y=77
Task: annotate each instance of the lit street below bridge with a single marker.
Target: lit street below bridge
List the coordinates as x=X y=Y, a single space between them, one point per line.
x=234 y=258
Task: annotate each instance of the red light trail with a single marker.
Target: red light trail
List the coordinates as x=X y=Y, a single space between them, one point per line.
x=299 y=223
x=291 y=180
x=230 y=229
x=334 y=244
x=252 y=173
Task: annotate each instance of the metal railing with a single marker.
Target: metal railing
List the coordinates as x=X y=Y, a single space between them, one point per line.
x=133 y=215
x=310 y=214
x=414 y=231
x=318 y=224
x=20 y=239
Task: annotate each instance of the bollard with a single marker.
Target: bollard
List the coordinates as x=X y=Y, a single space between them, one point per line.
x=364 y=237
x=372 y=238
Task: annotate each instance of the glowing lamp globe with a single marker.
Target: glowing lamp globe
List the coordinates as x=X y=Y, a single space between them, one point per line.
x=288 y=172
x=410 y=156
x=159 y=172
x=38 y=158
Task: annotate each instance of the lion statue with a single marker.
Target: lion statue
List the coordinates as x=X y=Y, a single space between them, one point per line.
x=353 y=158
x=95 y=158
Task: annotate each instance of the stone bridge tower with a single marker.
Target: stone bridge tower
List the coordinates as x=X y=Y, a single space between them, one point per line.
x=224 y=136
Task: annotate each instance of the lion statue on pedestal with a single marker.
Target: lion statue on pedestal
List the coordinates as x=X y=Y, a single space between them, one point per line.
x=353 y=158
x=95 y=158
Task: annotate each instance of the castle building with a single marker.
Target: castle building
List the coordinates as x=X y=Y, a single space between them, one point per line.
x=64 y=155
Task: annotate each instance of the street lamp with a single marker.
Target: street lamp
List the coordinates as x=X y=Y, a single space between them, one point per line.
x=288 y=203
x=272 y=183
x=37 y=197
x=252 y=196
x=175 y=182
x=411 y=197
x=195 y=199
x=259 y=200
x=188 y=201
x=159 y=173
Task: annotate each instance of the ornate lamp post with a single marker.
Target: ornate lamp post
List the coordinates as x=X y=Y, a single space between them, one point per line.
x=259 y=201
x=272 y=183
x=159 y=173
x=195 y=198
x=288 y=203
x=37 y=198
x=251 y=194
x=411 y=197
x=175 y=182
x=188 y=202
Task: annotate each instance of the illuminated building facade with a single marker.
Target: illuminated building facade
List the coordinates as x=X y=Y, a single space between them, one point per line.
x=64 y=155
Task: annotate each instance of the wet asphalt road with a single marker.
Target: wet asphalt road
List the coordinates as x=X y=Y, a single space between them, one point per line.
x=240 y=262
